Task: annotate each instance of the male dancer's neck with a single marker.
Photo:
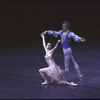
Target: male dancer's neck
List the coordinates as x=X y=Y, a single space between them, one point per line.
x=66 y=30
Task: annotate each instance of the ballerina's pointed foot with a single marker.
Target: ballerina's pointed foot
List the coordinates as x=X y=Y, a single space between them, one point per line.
x=45 y=83
x=73 y=84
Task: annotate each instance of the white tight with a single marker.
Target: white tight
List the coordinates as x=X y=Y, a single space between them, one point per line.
x=67 y=57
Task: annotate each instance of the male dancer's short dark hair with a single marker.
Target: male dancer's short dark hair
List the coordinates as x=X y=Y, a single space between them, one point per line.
x=67 y=23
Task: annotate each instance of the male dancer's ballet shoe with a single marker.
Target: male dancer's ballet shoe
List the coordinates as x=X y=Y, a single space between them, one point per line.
x=45 y=83
x=80 y=78
x=73 y=84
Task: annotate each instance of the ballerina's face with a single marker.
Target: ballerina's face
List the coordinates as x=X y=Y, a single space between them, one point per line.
x=48 y=46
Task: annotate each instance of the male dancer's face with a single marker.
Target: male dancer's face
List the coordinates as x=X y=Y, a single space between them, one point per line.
x=64 y=26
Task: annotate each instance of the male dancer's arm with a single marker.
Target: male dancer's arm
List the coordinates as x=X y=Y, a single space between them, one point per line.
x=53 y=33
x=76 y=37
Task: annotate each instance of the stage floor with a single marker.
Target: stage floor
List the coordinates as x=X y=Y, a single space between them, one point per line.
x=20 y=79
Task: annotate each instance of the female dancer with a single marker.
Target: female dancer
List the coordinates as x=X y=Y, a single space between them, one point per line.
x=53 y=70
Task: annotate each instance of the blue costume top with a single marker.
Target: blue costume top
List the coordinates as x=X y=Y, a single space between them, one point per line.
x=66 y=39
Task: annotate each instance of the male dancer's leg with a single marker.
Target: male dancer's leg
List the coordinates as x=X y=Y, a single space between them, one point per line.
x=67 y=57
x=76 y=67
x=66 y=62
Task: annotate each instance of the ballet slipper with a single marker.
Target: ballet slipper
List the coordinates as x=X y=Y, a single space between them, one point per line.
x=73 y=84
x=45 y=83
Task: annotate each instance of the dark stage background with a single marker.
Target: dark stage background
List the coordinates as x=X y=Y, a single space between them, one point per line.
x=22 y=21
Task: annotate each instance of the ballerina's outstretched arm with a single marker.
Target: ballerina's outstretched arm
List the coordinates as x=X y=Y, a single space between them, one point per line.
x=59 y=41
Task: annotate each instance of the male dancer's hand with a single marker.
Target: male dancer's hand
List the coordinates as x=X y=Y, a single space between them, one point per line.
x=83 y=40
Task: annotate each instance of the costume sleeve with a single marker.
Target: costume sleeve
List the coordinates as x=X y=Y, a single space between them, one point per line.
x=53 y=33
x=74 y=36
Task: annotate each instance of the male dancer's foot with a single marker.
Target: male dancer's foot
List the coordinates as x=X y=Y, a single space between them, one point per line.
x=80 y=78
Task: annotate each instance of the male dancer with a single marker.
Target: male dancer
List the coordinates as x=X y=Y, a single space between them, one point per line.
x=66 y=36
